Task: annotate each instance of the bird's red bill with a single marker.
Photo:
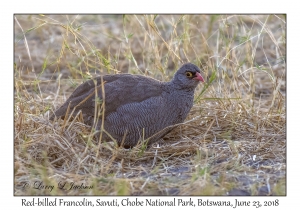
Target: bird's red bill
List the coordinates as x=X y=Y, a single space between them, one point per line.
x=199 y=77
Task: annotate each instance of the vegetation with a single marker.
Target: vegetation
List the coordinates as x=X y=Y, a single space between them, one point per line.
x=233 y=142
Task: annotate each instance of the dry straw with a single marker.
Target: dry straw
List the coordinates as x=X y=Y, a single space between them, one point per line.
x=233 y=142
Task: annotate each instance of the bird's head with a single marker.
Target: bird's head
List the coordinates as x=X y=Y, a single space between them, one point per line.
x=187 y=76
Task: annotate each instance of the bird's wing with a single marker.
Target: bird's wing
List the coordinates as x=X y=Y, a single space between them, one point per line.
x=118 y=90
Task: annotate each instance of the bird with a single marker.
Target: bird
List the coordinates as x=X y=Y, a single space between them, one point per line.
x=132 y=108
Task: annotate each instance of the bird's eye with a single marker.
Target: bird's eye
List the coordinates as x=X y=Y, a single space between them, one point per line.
x=188 y=74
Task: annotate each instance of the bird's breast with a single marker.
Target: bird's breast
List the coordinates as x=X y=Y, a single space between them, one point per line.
x=178 y=105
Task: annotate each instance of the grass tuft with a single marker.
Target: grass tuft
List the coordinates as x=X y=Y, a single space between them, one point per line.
x=234 y=139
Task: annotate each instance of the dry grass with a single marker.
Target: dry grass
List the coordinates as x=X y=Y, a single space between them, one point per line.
x=233 y=142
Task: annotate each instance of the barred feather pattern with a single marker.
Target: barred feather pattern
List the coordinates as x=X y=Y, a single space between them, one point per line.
x=136 y=107
x=147 y=119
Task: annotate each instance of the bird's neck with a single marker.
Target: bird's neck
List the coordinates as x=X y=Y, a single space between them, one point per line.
x=172 y=86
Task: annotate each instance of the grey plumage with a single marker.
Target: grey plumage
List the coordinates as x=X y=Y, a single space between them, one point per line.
x=136 y=107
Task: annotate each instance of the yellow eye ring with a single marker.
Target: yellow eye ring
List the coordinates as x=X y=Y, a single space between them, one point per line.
x=188 y=74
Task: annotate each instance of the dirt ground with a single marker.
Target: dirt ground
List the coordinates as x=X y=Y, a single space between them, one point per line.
x=232 y=143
